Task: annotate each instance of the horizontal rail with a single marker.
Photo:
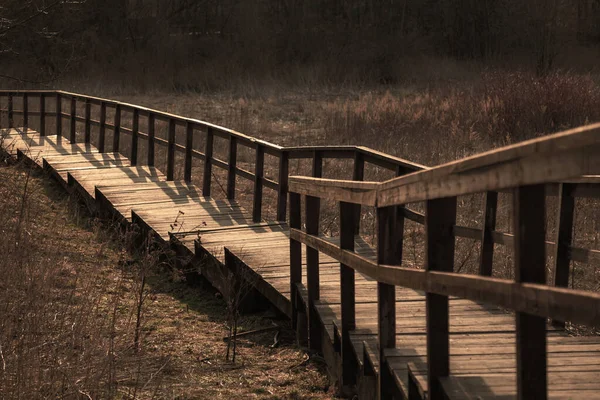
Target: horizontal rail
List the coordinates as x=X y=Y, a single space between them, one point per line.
x=537 y=299
x=554 y=158
x=372 y=156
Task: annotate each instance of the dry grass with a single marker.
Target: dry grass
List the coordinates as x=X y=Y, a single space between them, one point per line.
x=429 y=125
x=69 y=292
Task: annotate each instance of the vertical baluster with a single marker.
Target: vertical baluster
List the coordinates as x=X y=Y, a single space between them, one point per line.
x=312 y=212
x=171 y=151
x=42 y=114
x=358 y=175
x=258 y=183
x=150 y=139
x=102 y=129
x=390 y=229
x=117 y=130
x=25 y=112
x=88 y=123
x=73 y=121
x=135 y=127
x=11 y=122
x=208 y=161
x=486 y=261
x=232 y=167
x=440 y=218
x=295 y=255
x=348 y=299
x=564 y=237
x=529 y=205
x=282 y=189
x=58 y=115
x=189 y=146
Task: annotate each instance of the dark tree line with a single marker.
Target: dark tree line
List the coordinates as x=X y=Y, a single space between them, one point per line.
x=42 y=39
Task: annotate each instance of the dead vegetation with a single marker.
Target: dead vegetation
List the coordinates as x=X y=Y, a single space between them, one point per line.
x=83 y=317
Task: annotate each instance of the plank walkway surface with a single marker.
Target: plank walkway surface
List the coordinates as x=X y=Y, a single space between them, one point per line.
x=482 y=351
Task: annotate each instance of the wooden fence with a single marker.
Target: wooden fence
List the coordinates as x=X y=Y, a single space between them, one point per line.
x=525 y=169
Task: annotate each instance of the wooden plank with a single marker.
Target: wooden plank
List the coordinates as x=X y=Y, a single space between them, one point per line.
x=232 y=167
x=440 y=217
x=486 y=259
x=347 y=289
x=312 y=213
x=73 y=132
x=88 y=118
x=135 y=123
x=58 y=112
x=358 y=174
x=339 y=190
x=117 y=129
x=42 y=115
x=150 y=145
x=171 y=151
x=389 y=251
x=282 y=188
x=208 y=162
x=189 y=146
x=102 y=134
x=557 y=157
x=529 y=205
x=11 y=121
x=259 y=166
x=25 y=113
x=295 y=255
x=564 y=235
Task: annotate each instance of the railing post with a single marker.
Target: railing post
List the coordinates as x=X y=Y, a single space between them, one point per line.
x=102 y=129
x=486 y=261
x=58 y=115
x=135 y=127
x=258 y=183
x=171 y=151
x=295 y=255
x=42 y=114
x=529 y=204
x=88 y=119
x=317 y=165
x=73 y=133
x=390 y=230
x=282 y=190
x=440 y=218
x=232 y=167
x=348 y=224
x=358 y=175
x=150 y=139
x=189 y=146
x=117 y=130
x=564 y=237
x=25 y=112
x=312 y=212
x=11 y=121
x=208 y=153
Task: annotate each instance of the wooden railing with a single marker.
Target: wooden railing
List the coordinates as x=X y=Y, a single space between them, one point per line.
x=529 y=170
x=193 y=129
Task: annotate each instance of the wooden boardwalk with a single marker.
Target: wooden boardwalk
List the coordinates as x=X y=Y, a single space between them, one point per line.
x=482 y=337
x=482 y=355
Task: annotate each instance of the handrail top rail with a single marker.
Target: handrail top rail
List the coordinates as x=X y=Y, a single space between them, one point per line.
x=570 y=156
x=399 y=162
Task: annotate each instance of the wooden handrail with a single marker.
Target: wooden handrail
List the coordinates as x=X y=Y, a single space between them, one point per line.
x=578 y=306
